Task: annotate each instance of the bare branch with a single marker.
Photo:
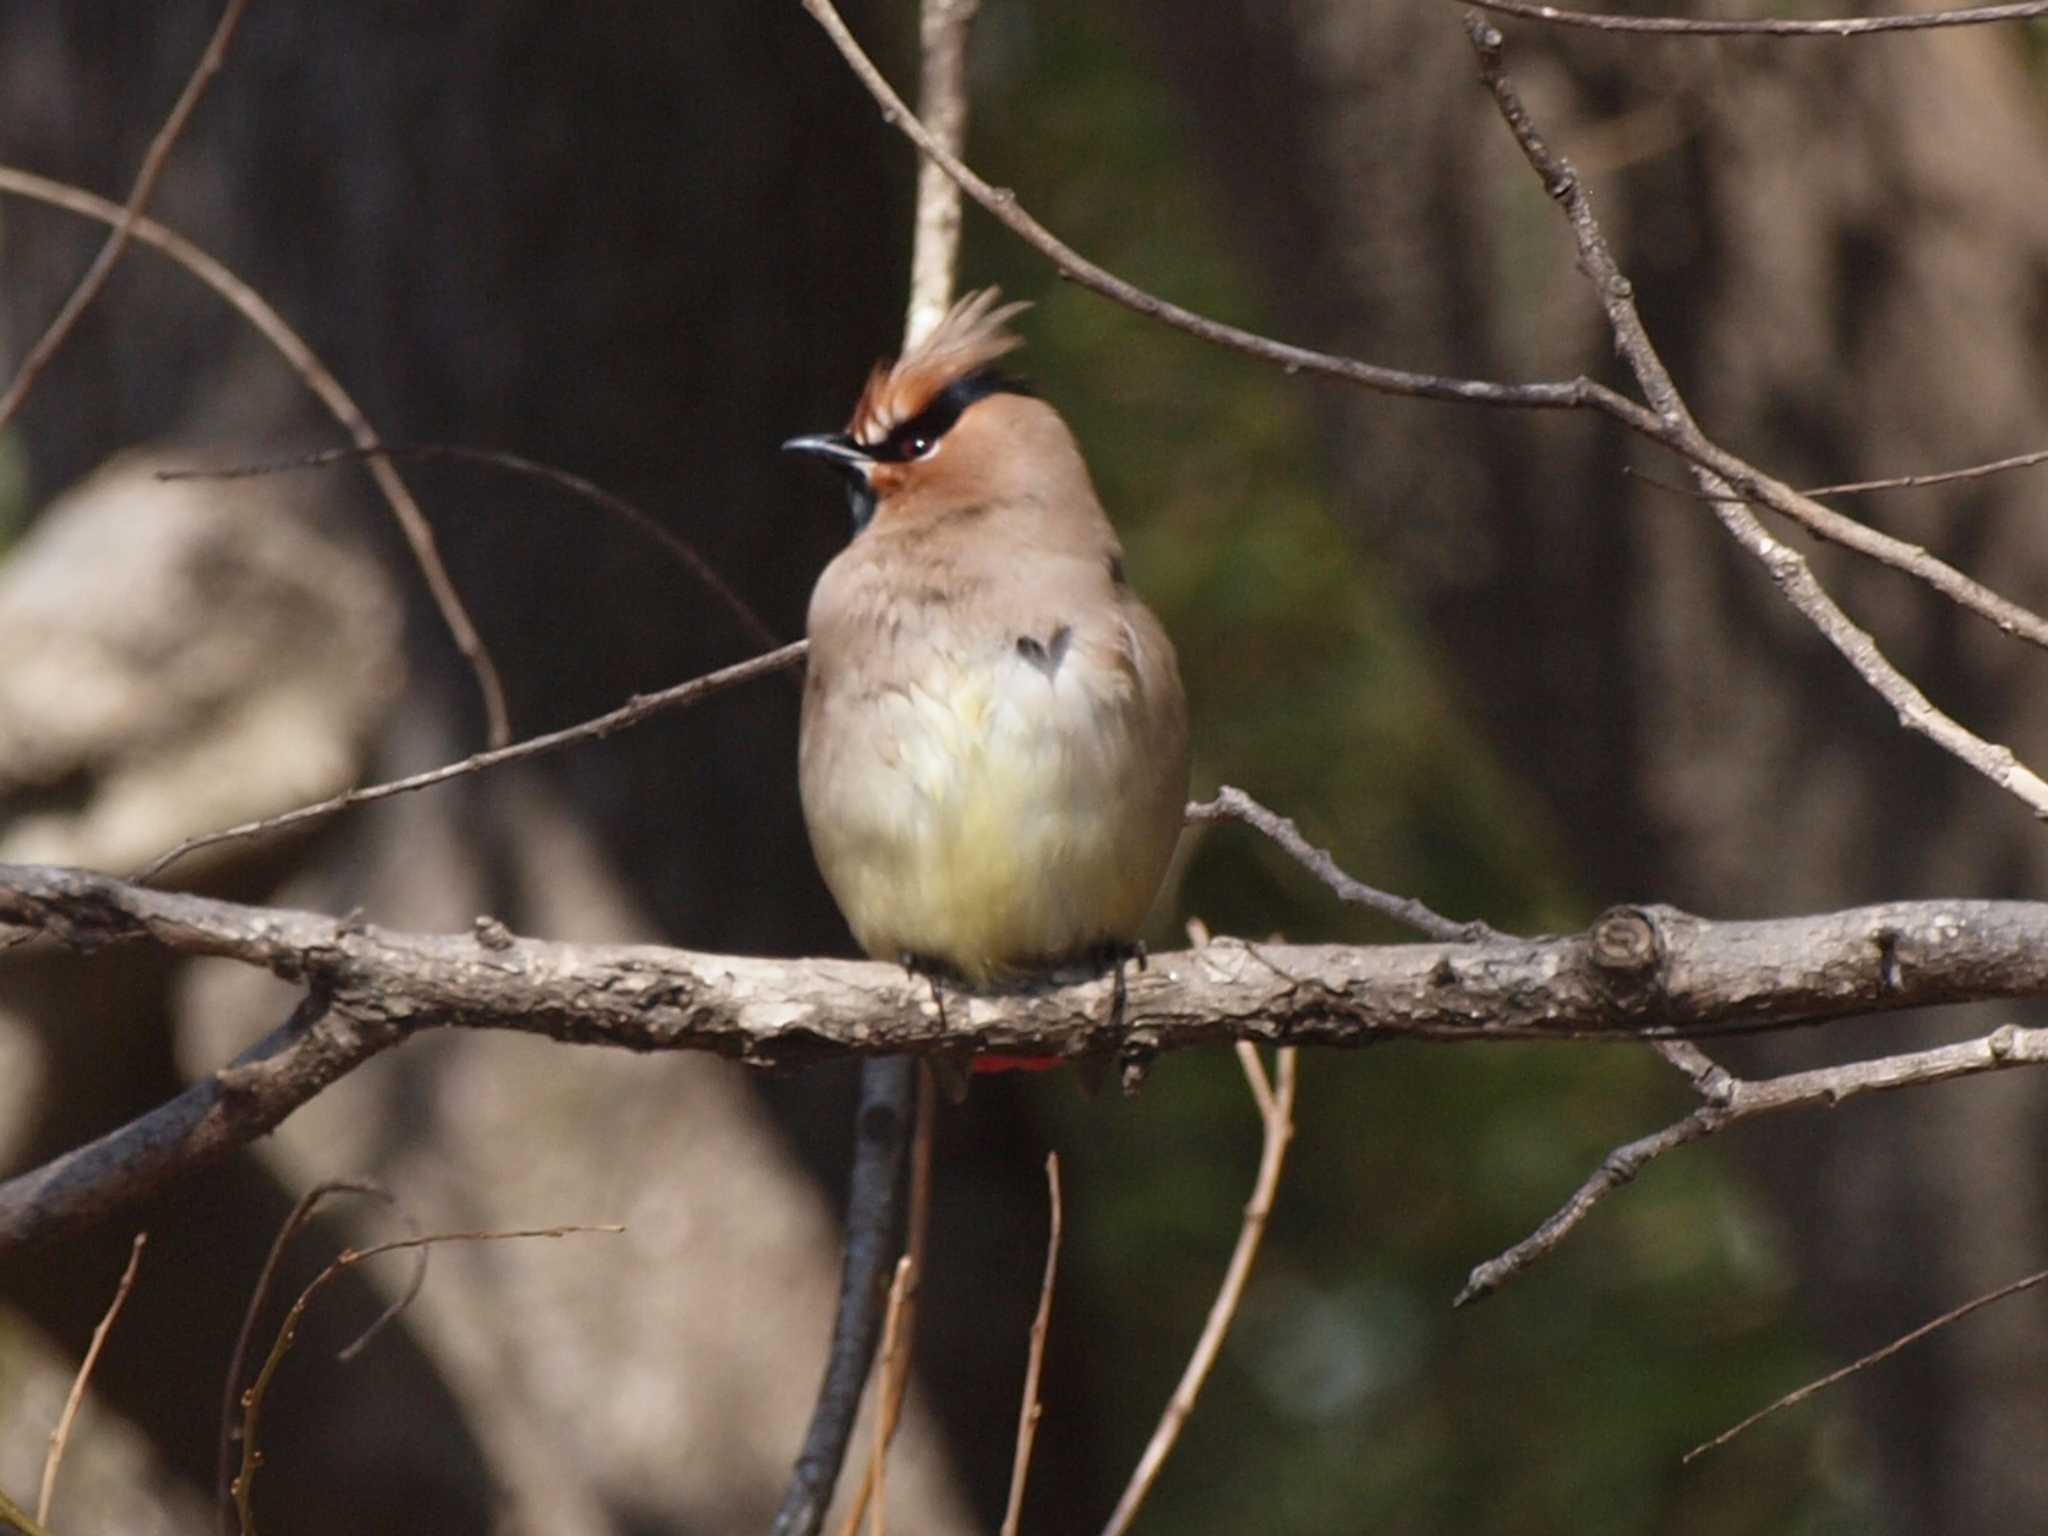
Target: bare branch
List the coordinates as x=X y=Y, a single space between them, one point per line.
x=640 y=707
x=419 y=535
x=943 y=28
x=1034 y=1360
x=1766 y=26
x=116 y=243
x=1732 y=1099
x=1639 y=973
x=61 y=1435
x=1276 y=1111
x=1721 y=475
x=1233 y=804
x=1790 y=1399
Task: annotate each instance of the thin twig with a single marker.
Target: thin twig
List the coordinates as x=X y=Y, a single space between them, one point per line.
x=116 y=243
x=1837 y=528
x=61 y=1435
x=1863 y=487
x=252 y=1402
x=1766 y=26
x=1279 y=1130
x=1034 y=1362
x=644 y=523
x=231 y=1392
x=419 y=535
x=1233 y=804
x=1721 y=474
x=640 y=707
x=1939 y=477
x=892 y=1346
x=1730 y=1100
x=1791 y=1399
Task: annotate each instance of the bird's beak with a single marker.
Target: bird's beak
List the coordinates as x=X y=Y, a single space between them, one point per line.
x=835 y=448
x=852 y=461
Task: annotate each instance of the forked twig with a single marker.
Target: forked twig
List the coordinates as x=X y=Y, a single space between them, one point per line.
x=1034 y=1361
x=231 y=1392
x=1276 y=1108
x=252 y=1402
x=61 y=1435
x=1790 y=1399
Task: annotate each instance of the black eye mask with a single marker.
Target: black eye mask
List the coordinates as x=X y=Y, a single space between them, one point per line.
x=914 y=438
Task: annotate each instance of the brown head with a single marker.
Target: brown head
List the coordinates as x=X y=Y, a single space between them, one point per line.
x=943 y=430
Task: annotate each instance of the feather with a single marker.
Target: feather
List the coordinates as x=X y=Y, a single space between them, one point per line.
x=972 y=334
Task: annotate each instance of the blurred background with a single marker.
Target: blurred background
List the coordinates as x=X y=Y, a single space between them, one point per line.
x=1466 y=650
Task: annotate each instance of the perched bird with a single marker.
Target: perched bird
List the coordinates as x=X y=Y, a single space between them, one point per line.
x=994 y=751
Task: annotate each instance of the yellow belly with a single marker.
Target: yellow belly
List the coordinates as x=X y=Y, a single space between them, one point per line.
x=988 y=823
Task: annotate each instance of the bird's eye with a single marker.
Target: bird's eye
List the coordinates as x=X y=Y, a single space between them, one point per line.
x=917 y=445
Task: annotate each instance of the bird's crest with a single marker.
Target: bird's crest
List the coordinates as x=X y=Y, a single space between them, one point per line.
x=972 y=334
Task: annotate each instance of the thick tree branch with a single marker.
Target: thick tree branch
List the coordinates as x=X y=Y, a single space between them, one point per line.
x=1639 y=972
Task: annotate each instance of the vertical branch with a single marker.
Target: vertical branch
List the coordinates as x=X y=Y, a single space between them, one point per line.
x=1034 y=1364
x=942 y=103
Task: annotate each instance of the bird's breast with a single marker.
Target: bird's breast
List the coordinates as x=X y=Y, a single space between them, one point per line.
x=979 y=795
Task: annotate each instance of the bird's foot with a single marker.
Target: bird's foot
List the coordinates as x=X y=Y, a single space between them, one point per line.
x=949 y=1066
